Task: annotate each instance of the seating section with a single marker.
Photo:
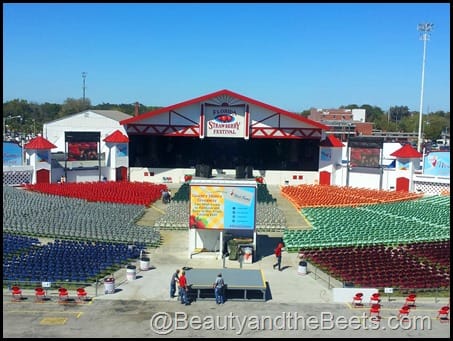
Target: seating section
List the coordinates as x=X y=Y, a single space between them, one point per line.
x=366 y=237
x=419 y=220
x=16 y=244
x=328 y=196
x=263 y=195
x=66 y=261
x=182 y=194
x=54 y=216
x=122 y=192
x=383 y=266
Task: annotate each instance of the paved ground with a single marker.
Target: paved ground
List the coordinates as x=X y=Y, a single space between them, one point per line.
x=297 y=305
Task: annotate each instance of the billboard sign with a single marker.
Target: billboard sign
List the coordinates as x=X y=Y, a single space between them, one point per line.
x=437 y=164
x=223 y=207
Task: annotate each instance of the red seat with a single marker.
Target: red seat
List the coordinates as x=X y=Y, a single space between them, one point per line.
x=375 y=298
x=357 y=299
x=40 y=294
x=442 y=314
x=81 y=294
x=16 y=292
x=375 y=311
x=410 y=300
x=404 y=311
x=63 y=295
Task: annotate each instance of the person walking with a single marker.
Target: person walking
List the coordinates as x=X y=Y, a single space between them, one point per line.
x=219 y=289
x=183 y=288
x=278 y=256
x=173 y=283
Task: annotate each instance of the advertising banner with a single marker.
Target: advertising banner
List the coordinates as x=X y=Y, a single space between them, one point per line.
x=222 y=207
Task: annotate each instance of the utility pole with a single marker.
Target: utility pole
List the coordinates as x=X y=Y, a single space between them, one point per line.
x=425 y=30
x=84 y=76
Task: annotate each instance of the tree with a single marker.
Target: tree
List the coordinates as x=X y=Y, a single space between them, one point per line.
x=434 y=125
x=398 y=112
x=305 y=113
x=349 y=106
x=73 y=106
x=373 y=113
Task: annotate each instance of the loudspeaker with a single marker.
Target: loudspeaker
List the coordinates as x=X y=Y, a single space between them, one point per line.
x=198 y=170
x=205 y=171
x=240 y=172
x=249 y=172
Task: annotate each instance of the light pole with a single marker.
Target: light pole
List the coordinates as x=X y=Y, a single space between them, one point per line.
x=84 y=76
x=4 y=123
x=425 y=30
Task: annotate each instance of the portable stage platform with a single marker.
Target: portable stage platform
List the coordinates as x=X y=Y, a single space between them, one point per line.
x=240 y=284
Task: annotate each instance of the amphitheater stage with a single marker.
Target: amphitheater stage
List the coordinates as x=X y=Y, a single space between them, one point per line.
x=240 y=284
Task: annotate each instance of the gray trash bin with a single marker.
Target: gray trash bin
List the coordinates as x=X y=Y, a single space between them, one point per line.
x=144 y=263
x=109 y=285
x=302 y=270
x=131 y=272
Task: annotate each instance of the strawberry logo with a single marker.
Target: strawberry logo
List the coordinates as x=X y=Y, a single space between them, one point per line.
x=197 y=222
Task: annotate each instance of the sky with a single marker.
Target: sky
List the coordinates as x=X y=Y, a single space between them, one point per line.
x=294 y=56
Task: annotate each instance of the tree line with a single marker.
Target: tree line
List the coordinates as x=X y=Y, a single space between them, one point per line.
x=34 y=115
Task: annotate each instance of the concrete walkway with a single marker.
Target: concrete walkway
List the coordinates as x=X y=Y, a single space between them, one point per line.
x=173 y=254
x=154 y=283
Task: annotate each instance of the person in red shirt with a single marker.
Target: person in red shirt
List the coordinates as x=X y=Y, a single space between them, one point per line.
x=183 y=289
x=278 y=255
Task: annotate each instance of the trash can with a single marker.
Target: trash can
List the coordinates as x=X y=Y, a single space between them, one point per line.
x=131 y=272
x=144 y=263
x=302 y=270
x=109 y=285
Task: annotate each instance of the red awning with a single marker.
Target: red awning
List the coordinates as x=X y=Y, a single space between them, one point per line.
x=39 y=142
x=117 y=137
x=407 y=152
x=331 y=141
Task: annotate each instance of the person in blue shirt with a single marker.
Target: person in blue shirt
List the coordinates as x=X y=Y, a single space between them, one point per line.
x=219 y=289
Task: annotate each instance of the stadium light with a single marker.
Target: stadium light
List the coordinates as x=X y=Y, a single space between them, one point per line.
x=425 y=30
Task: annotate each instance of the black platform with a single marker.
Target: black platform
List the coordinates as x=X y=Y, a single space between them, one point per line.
x=240 y=284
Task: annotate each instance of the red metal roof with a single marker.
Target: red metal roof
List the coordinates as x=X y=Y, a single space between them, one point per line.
x=117 y=137
x=149 y=114
x=331 y=141
x=407 y=152
x=39 y=142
